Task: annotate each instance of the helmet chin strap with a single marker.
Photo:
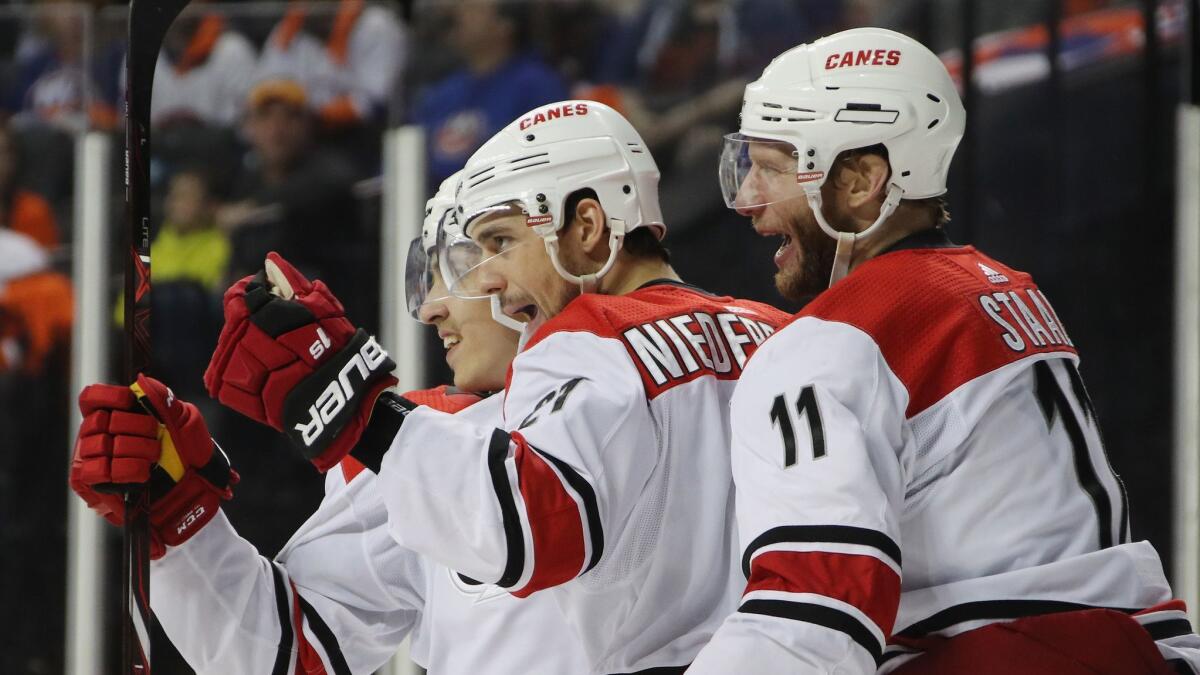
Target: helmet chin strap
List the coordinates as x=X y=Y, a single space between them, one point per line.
x=503 y=319
x=846 y=240
x=587 y=282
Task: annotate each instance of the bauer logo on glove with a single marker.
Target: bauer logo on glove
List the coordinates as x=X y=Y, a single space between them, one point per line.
x=338 y=392
x=288 y=357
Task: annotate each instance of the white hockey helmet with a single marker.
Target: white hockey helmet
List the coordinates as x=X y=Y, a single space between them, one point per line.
x=535 y=163
x=419 y=264
x=853 y=89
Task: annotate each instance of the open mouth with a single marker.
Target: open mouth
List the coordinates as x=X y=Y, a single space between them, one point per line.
x=785 y=243
x=786 y=249
x=451 y=341
x=524 y=313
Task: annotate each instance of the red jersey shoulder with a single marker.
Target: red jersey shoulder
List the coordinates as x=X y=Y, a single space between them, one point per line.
x=444 y=398
x=942 y=317
x=673 y=333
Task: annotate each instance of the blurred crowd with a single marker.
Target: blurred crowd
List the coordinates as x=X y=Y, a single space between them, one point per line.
x=267 y=122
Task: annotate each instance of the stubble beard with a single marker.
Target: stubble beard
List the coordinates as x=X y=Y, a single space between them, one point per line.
x=802 y=282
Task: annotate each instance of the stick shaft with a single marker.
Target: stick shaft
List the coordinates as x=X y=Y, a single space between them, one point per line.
x=148 y=24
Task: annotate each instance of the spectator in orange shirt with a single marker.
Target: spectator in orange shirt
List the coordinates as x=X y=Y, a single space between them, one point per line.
x=22 y=210
x=36 y=309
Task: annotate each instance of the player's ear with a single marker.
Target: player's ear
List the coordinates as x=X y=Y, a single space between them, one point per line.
x=865 y=177
x=591 y=227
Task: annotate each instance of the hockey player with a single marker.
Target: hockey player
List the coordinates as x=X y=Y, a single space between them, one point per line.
x=608 y=478
x=921 y=483
x=342 y=594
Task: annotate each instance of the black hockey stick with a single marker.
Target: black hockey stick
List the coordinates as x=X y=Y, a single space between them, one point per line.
x=148 y=24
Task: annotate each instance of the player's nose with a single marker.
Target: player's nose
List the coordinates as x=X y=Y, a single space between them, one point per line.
x=748 y=201
x=433 y=312
x=748 y=210
x=490 y=281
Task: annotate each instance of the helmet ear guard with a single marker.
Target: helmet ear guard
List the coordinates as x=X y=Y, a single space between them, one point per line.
x=587 y=282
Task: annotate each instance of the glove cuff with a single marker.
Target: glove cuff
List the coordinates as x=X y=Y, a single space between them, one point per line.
x=180 y=513
x=388 y=414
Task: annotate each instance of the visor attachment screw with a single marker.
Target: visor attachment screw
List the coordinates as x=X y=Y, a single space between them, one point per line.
x=543 y=208
x=811 y=152
x=540 y=197
x=626 y=189
x=811 y=166
x=529 y=137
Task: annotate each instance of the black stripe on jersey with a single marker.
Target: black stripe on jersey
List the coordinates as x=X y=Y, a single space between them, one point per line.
x=661 y=670
x=833 y=619
x=284 y=657
x=588 y=496
x=824 y=534
x=513 y=537
x=994 y=610
x=1053 y=399
x=1165 y=630
x=325 y=636
x=895 y=651
x=1089 y=410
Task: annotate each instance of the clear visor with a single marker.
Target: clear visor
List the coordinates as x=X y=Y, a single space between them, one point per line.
x=419 y=280
x=757 y=172
x=465 y=265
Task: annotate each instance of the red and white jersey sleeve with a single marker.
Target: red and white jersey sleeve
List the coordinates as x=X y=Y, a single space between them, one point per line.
x=339 y=598
x=525 y=506
x=816 y=458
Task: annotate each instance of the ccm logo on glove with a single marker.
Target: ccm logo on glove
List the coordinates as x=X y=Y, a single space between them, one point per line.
x=189 y=519
x=333 y=399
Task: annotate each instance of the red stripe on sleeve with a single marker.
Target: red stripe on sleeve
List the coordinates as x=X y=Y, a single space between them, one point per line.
x=308 y=661
x=350 y=468
x=1175 y=605
x=555 y=521
x=859 y=580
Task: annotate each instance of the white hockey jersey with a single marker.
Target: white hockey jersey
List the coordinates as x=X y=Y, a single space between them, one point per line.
x=342 y=595
x=210 y=79
x=355 y=69
x=609 y=478
x=915 y=454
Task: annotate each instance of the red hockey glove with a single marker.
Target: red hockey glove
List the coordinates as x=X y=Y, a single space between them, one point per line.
x=289 y=358
x=142 y=434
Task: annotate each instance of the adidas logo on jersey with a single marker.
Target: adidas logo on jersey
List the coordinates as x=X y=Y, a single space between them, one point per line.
x=992 y=275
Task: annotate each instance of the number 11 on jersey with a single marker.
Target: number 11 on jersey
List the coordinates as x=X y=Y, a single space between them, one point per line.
x=806 y=408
